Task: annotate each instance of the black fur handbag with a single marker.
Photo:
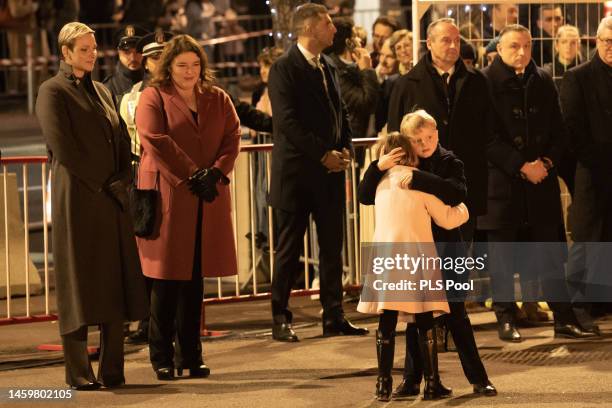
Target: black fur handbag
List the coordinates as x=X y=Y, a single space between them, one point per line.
x=143 y=205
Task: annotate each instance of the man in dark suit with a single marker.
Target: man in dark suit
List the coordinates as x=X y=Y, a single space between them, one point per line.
x=312 y=148
x=586 y=101
x=457 y=97
x=524 y=201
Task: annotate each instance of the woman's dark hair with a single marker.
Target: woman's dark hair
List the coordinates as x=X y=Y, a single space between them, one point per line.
x=175 y=47
x=344 y=34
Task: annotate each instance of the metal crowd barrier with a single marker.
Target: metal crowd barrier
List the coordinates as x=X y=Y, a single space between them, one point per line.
x=32 y=68
x=33 y=199
x=247 y=285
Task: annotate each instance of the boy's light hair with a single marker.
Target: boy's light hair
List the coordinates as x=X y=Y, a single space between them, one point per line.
x=415 y=121
x=70 y=32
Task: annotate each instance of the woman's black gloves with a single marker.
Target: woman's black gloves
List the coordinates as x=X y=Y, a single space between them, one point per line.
x=203 y=183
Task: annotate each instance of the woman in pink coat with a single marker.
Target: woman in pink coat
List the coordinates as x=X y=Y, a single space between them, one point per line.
x=190 y=135
x=403 y=217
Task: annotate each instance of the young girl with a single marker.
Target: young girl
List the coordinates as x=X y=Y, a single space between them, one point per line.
x=403 y=216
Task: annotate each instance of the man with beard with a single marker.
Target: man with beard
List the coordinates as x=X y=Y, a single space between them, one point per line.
x=312 y=149
x=128 y=70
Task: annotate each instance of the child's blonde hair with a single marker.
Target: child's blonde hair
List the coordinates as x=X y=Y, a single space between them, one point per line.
x=413 y=122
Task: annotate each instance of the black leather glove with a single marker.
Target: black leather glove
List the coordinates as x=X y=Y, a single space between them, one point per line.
x=203 y=183
x=118 y=190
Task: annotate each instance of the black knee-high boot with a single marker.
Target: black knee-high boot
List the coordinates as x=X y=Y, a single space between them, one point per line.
x=385 y=349
x=413 y=365
x=428 y=345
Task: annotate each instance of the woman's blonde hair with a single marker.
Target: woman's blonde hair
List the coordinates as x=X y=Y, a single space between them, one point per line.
x=173 y=48
x=415 y=121
x=391 y=140
x=566 y=29
x=69 y=34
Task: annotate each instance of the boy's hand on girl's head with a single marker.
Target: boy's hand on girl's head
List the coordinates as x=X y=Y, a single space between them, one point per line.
x=388 y=160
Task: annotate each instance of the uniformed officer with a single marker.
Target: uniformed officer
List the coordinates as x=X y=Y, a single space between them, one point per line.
x=150 y=47
x=129 y=67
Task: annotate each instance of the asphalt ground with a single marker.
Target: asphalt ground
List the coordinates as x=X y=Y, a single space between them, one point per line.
x=249 y=369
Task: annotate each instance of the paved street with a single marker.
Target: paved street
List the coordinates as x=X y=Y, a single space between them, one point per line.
x=249 y=369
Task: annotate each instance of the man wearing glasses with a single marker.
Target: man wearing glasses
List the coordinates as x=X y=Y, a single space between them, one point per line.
x=586 y=101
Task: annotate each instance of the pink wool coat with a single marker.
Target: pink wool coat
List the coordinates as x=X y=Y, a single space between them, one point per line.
x=404 y=216
x=176 y=149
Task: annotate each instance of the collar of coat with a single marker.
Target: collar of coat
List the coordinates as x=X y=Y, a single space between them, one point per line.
x=133 y=76
x=499 y=73
x=439 y=154
x=296 y=55
x=425 y=68
x=599 y=64
x=203 y=97
x=66 y=70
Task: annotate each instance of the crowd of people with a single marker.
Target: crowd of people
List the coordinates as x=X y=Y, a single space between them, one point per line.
x=475 y=151
x=201 y=19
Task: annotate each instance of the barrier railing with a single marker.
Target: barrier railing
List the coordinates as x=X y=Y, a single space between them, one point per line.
x=231 y=55
x=252 y=171
x=16 y=175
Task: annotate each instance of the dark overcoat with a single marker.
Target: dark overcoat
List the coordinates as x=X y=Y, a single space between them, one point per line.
x=466 y=130
x=529 y=126
x=97 y=271
x=304 y=129
x=586 y=100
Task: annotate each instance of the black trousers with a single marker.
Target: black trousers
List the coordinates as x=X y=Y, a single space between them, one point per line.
x=460 y=328
x=78 y=366
x=144 y=323
x=176 y=309
x=291 y=228
x=544 y=264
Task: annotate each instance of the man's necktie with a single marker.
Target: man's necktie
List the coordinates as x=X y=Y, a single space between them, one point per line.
x=445 y=88
x=320 y=68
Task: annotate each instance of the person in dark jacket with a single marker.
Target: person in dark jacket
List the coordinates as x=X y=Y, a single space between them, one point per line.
x=128 y=70
x=456 y=101
x=550 y=18
x=567 y=56
x=358 y=82
x=567 y=53
x=97 y=271
x=387 y=73
x=524 y=197
x=440 y=173
x=586 y=101
x=312 y=149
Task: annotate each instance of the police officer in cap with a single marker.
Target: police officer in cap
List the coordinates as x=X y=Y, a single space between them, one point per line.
x=150 y=47
x=129 y=68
